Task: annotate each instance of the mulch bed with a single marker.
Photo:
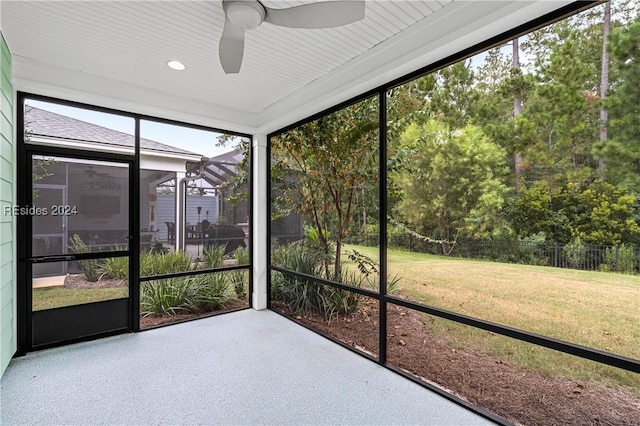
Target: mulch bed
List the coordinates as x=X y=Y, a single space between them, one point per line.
x=79 y=281
x=154 y=321
x=521 y=396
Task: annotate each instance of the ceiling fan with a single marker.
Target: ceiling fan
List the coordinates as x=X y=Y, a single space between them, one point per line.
x=241 y=15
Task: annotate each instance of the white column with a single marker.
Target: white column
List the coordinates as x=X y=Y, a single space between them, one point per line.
x=179 y=242
x=259 y=225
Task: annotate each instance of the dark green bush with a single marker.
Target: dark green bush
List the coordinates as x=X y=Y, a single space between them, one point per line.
x=621 y=259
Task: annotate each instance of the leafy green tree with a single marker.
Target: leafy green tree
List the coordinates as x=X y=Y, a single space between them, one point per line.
x=563 y=115
x=319 y=170
x=610 y=216
x=622 y=150
x=598 y=213
x=452 y=183
x=539 y=210
x=504 y=89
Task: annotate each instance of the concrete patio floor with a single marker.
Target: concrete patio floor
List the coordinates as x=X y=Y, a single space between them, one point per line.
x=248 y=367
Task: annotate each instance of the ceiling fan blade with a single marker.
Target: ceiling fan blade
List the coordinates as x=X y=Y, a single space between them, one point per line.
x=317 y=15
x=231 y=47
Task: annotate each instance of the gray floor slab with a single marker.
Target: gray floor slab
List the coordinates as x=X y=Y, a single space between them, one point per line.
x=248 y=367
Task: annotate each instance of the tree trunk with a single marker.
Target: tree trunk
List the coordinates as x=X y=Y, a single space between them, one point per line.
x=517 y=108
x=604 y=81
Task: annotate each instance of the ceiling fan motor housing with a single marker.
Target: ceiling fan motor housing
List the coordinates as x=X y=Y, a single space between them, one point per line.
x=245 y=14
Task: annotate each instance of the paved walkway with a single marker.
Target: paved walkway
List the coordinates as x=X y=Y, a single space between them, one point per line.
x=248 y=367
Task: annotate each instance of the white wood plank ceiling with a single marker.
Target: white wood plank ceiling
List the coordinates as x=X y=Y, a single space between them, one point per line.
x=114 y=54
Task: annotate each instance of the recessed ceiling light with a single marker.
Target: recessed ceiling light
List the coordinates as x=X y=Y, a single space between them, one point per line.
x=176 y=65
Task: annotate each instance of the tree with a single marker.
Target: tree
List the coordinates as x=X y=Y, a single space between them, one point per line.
x=532 y=214
x=604 y=81
x=452 y=184
x=610 y=216
x=319 y=170
x=622 y=150
x=561 y=117
x=505 y=88
x=598 y=213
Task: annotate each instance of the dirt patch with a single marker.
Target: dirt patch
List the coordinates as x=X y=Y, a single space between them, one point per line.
x=79 y=281
x=518 y=395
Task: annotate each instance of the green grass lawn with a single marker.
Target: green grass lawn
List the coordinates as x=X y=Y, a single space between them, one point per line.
x=56 y=297
x=595 y=309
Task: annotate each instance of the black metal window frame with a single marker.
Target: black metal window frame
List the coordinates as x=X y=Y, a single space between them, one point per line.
x=24 y=245
x=381 y=295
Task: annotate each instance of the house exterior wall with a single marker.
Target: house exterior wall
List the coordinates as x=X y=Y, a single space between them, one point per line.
x=7 y=268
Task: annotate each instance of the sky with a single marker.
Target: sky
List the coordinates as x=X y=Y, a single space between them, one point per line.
x=199 y=141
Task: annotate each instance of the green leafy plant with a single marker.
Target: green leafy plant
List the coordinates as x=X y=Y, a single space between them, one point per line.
x=316 y=241
x=365 y=264
x=209 y=292
x=369 y=269
x=165 y=263
x=165 y=297
x=620 y=259
x=240 y=279
x=213 y=256
x=90 y=267
x=574 y=253
x=336 y=301
x=241 y=254
x=304 y=296
x=115 y=267
x=301 y=295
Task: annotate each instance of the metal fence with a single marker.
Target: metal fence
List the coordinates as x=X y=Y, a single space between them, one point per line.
x=587 y=257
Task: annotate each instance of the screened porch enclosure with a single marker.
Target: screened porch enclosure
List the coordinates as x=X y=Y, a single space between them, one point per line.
x=345 y=200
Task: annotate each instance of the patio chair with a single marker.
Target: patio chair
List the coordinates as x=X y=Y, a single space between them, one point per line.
x=171 y=231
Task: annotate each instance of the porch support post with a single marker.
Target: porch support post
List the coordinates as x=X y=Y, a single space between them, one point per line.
x=179 y=225
x=260 y=215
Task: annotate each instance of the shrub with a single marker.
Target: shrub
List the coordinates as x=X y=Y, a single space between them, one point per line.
x=209 y=292
x=90 y=267
x=241 y=254
x=299 y=294
x=529 y=250
x=315 y=248
x=336 y=301
x=304 y=296
x=115 y=267
x=165 y=263
x=574 y=253
x=213 y=256
x=621 y=259
x=192 y=294
x=240 y=279
x=397 y=237
x=165 y=297
x=240 y=282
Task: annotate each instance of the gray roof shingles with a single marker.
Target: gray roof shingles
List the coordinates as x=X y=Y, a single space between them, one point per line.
x=40 y=122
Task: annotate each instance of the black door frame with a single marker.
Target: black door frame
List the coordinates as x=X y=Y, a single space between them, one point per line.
x=23 y=177
x=96 y=319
